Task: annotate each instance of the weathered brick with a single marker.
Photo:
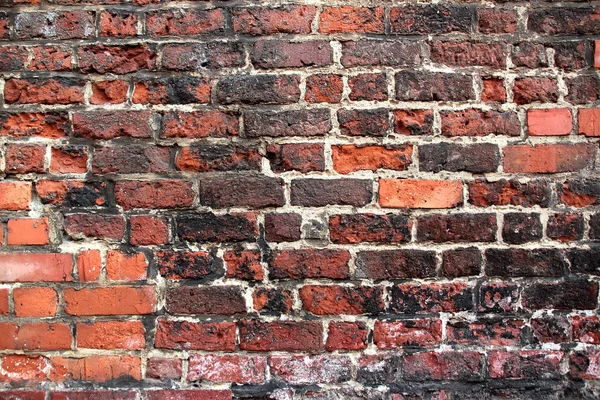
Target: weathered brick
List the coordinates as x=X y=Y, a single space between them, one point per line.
x=281 y=54
x=164 y=368
x=111 y=335
x=526 y=364
x=199 y=124
x=521 y=228
x=184 y=335
x=564 y=20
x=259 y=89
x=457 y=228
x=223 y=300
x=474 y=158
x=249 y=191
x=109 y=125
x=72 y=193
x=431 y=19
x=413 y=122
x=407 y=333
x=466 y=54
x=69 y=159
x=118 y=23
x=227 y=368
x=371 y=87
x=182 y=89
x=208 y=227
x=322 y=192
x=58 y=90
x=504 y=192
x=473 y=122
x=491 y=332
x=95 y=368
x=347 y=19
x=302 y=370
x=565 y=227
x=498 y=297
x=272 y=301
x=389 y=53
x=51 y=58
x=271 y=20
x=433 y=86
x=364 y=122
x=121 y=59
x=204 y=158
x=154 y=194
x=350 y=158
x=448 y=365
x=303 y=157
x=103 y=226
x=55 y=25
x=20 y=125
x=122 y=266
x=334 y=300
x=346 y=336
x=395 y=264
x=520 y=262
x=580 y=192
x=314 y=122
x=548 y=158
x=575 y=294
x=281 y=336
x=533 y=90
x=199 y=56
x=496 y=20
x=324 y=88
x=185 y=22
x=23 y=159
x=357 y=228
x=131 y=159
x=430 y=298
x=464 y=261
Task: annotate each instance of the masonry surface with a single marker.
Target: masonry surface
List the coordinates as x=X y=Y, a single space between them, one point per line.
x=299 y=200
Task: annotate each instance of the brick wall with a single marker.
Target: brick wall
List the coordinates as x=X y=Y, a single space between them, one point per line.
x=299 y=199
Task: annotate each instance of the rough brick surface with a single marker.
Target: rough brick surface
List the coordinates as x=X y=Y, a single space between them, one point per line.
x=387 y=200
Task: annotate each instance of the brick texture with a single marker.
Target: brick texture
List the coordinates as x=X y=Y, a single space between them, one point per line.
x=291 y=200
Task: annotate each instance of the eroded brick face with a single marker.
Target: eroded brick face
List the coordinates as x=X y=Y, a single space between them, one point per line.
x=291 y=200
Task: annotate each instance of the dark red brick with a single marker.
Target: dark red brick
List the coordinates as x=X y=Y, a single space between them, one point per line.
x=272 y=20
x=348 y=19
x=433 y=86
x=322 y=192
x=122 y=59
x=473 y=122
x=259 y=89
x=574 y=294
x=118 y=23
x=491 y=332
x=199 y=124
x=249 y=191
x=154 y=194
x=388 y=53
x=564 y=20
x=199 y=56
x=465 y=261
x=273 y=300
x=303 y=157
x=208 y=227
x=185 y=22
x=101 y=226
x=370 y=87
x=395 y=264
x=335 y=300
x=131 y=159
x=183 y=335
x=498 y=297
x=205 y=158
x=346 y=336
x=357 y=228
x=475 y=158
x=55 y=25
x=282 y=227
x=457 y=228
x=108 y=125
x=364 y=122
x=324 y=88
x=23 y=159
x=430 y=298
x=521 y=228
x=431 y=19
x=282 y=54
x=181 y=89
x=281 y=336
x=44 y=91
x=503 y=192
x=466 y=54
x=526 y=364
x=222 y=300
x=314 y=122
x=532 y=90
x=413 y=122
x=309 y=263
x=448 y=365
x=244 y=264
x=407 y=333
x=176 y=265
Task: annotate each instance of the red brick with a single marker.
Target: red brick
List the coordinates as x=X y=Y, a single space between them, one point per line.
x=227 y=368
x=187 y=21
x=493 y=90
x=309 y=263
x=109 y=92
x=419 y=332
x=296 y=157
x=183 y=335
x=118 y=23
x=495 y=20
x=95 y=368
x=95 y=394
x=126 y=266
x=122 y=59
x=448 y=365
x=281 y=336
x=102 y=226
x=357 y=228
x=244 y=264
x=89 y=265
x=69 y=159
x=36 y=336
x=350 y=158
x=28 y=231
x=51 y=58
x=23 y=368
x=413 y=122
x=347 y=336
x=267 y=21
x=36 y=267
x=35 y=302
x=163 y=368
x=473 y=122
x=589 y=120
x=549 y=122
x=597 y=54
x=116 y=300
x=306 y=370
x=148 y=230
x=550 y=158
x=109 y=335
x=72 y=193
x=324 y=88
x=112 y=124
x=526 y=364
x=411 y=193
x=23 y=159
x=195 y=125
x=154 y=194
x=15 y=196
x=335 y=300
x=24 y=394
x=44 y=91
x=50 y=126
x=348 y=19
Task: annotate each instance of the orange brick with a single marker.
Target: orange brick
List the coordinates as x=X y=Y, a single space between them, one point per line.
x=125 y=267
x=69 y=159
x=15 y=196
x=36 y=267
x=597 y=54
x=28 y=231
x=413 y=193
x=589 y=121
x=35 y=302
x=4 y=302
x=35 y=336
x=95 y=368
x=551 y=122
x=354 y=158
x=23 y=369
x=116 y=300
x=111 y=335
x=89 y=265
x=549 y=158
